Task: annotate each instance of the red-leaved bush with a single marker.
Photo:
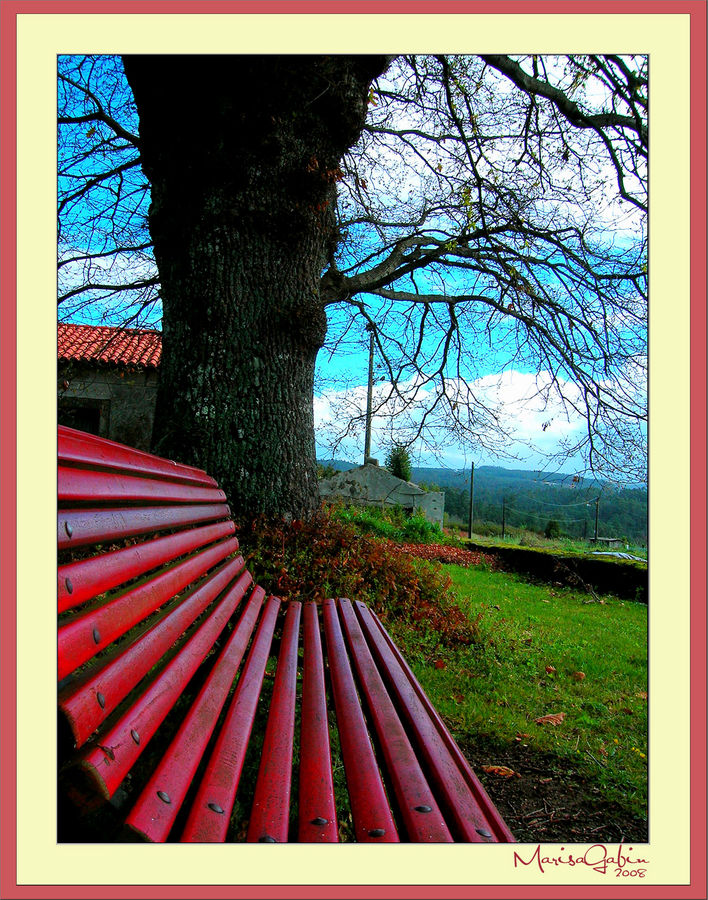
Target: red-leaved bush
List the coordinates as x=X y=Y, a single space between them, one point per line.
x=325 y=558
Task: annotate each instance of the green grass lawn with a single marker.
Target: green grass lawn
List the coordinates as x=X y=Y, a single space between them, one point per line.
x=538 y=651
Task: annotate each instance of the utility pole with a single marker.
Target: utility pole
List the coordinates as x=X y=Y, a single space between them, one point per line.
x=597 y=514
x=504 y=517
x=369 y=394
x=469 y=527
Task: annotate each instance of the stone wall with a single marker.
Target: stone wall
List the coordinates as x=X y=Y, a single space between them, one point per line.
x=370 y=485
x=110 y=401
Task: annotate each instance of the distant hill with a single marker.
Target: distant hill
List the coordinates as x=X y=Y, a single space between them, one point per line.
x=531 y=499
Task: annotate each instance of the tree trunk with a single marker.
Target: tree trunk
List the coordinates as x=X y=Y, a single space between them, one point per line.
x=242 y=155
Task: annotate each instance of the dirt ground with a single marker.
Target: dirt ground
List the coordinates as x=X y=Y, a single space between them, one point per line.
x=551 y=802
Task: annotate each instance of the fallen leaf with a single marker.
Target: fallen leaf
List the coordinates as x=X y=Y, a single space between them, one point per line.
x=642 y=695
x=501 y=771
x=544 y=780
x=579 y=676
x=602 y=749
x=439 y=664
x=459 y=698
x=551 y=719
x=551 y=670
x=521 y=735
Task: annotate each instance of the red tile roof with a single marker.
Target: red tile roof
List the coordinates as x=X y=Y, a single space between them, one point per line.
x=118 y=346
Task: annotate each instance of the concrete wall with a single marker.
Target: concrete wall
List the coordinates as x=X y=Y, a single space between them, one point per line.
x=432 y=504
x=112 y=402
x=370 y=485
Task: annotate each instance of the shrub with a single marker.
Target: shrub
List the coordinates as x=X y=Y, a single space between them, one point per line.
x=487 y=529
x=418 y=529
x=553 y=530
x=326 y=558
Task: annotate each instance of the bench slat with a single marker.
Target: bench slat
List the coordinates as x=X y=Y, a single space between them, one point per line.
x=271 y=802
x=210 y=813
x=116 y=677
x=458 y=799
x=317 y=814
x=77 y=485
x=418 y=808
x=499 y=827
x=370 y=810
x=81 y=527
x=77 y=448
x=83 y=636
x=151 y=817
x=82 y=580
x=109 y=762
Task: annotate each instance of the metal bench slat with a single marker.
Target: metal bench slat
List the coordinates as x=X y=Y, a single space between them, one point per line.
x=115 y=678
x=371 y=813
x=82 y=580
x=151 y=817
x=211 y=810
x=90 y=486
x=81 y=527
x=78 y=448
x=83 y=636
x=317 y=814
x=109 y=762
x=271 y=802
x=418 y=807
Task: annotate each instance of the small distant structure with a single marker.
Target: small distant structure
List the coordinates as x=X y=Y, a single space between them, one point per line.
x=607 y=541
x=371 y=485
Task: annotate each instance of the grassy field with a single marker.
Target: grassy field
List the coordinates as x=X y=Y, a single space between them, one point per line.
x=542 y=651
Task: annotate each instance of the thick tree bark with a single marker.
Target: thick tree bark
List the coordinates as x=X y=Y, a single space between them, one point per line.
x=242 y=155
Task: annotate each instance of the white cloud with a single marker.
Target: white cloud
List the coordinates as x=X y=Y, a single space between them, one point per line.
x=536 y=427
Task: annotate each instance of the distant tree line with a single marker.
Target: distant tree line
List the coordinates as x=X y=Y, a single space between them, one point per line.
x=622 y=513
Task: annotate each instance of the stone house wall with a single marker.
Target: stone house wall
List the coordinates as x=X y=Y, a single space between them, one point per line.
x=115 y=402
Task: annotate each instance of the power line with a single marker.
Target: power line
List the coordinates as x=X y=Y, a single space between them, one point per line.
x=523 y=512
x=557 y=505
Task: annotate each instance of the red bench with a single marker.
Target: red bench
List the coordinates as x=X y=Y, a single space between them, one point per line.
x=193 y=707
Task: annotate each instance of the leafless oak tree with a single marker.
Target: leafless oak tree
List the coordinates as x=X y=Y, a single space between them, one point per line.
x=477 y=213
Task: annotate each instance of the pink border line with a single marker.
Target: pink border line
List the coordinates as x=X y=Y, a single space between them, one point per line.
x=9 y=10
